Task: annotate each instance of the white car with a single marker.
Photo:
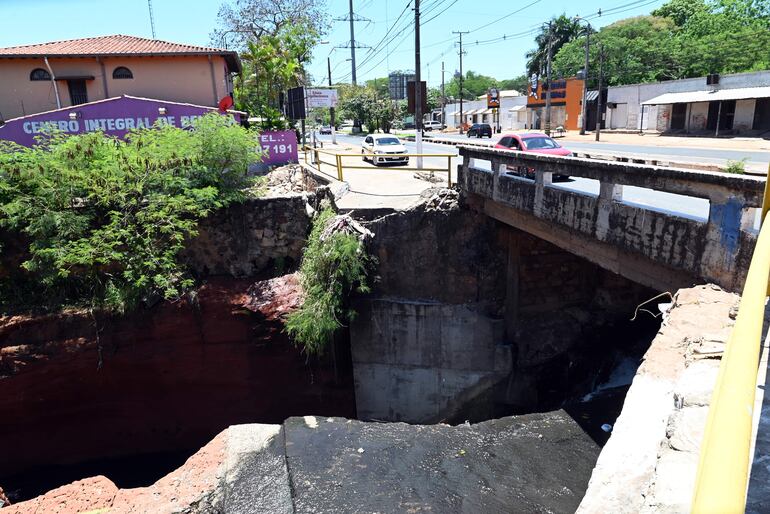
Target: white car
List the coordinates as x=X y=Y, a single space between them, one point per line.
x=433 y=125
x=386 y=149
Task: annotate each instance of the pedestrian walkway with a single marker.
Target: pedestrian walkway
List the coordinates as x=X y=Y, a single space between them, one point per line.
x=376 y=187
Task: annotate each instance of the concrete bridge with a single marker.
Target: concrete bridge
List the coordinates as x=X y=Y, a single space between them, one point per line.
x=662 y=250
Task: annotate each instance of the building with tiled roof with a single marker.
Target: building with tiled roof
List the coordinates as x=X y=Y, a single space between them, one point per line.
x=44 y=76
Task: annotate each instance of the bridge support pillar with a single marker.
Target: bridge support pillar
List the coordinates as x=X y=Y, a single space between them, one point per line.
x=723 y=234
x=608 y=193
x=542 y=179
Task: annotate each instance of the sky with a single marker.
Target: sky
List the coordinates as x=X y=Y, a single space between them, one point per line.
x=191 y=21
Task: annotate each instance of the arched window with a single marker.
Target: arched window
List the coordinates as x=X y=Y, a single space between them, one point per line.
x=39 y=74
x=121 y=72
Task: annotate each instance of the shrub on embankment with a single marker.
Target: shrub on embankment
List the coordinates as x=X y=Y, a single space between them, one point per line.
x=334 y=266
x=103 y=221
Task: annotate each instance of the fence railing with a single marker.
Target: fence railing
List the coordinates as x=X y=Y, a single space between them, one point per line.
x=313 y=156
x=725 y=454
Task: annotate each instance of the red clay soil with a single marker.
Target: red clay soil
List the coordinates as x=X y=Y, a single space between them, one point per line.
x=170 y=377
x=178 y=490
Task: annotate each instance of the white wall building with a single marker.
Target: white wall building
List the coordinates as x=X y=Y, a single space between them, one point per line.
x=736 y=104
x=513 y=111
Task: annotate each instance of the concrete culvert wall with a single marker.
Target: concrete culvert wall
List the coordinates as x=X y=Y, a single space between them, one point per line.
x=471 y=319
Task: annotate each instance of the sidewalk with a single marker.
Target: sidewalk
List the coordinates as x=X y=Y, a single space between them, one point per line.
x=658 y=140
x=371 y=188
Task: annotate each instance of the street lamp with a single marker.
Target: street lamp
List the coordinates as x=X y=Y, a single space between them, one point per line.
x=588 y=30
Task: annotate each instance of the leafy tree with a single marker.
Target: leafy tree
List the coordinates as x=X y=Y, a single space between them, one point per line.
x=380 y=85
x=104 y=220
x=272 y=65
x=365 y=104
x=562 y=30
x=640 y=49
x=250 y=20
x=519 y=84
x=679 y=11
x=682 y=40
x=474 y=85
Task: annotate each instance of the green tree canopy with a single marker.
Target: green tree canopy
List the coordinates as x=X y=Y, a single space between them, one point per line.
x=682 y=39
x=560 y=31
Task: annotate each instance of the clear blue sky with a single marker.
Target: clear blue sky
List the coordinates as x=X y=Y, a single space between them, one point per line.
x=191 y=21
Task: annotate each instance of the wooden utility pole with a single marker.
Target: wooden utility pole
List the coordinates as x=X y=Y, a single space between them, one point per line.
x=548 y=84
x=462 y=120
x=417 y=84
x=599 y=98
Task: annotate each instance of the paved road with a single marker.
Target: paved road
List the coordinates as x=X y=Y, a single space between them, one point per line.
x=387 y=187
x=719 y=157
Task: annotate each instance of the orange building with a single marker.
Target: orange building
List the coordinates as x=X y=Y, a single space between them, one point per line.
x=566 y=100
x=47 y=76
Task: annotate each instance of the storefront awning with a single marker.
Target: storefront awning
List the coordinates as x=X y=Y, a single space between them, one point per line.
x=517 y=108
x=485 y=111
x=742 y=93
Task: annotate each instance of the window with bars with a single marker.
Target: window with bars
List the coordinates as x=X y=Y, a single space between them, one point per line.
x=39 y=74
x=121 y=72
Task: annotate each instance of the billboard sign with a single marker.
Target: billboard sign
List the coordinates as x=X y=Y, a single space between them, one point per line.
x=280 y=146
x=321 y=97
x=493 y=99
x=114 y=116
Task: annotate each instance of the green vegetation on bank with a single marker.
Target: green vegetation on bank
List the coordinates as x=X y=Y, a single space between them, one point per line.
x=680 y=39
x=335 y=264
x=99 y=223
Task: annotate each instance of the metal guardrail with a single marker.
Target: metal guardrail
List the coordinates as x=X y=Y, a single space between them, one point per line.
x=340 y=166
x=725 y=455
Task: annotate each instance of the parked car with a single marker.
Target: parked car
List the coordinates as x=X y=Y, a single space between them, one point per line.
x=387 y=149
x=325 y=129
x=532 y=142
x=433 y=125
x=480 y=130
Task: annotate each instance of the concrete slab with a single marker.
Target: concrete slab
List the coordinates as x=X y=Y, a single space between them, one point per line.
x=532 y=463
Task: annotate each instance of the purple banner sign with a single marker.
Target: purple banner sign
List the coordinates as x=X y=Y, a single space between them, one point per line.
x=280 y=146
x=114 y=116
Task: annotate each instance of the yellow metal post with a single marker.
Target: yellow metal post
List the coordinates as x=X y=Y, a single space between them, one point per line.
x=766 y=208
x=449 y=171
x=339 y=167
x=725 y=457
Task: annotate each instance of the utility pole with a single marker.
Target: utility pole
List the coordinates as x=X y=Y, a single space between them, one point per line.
x=462 y=120
x=548 y=83
x=417 y=84
x=599 y=98
x=443 y=97
x=585 y=84
x=152 y=18
x=331 y=109
x=352 y=46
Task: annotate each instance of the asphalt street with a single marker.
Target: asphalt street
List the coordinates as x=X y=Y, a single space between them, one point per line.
x=711 y=156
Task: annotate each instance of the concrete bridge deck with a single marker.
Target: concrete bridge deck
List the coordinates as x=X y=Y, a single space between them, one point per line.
x=658 y=249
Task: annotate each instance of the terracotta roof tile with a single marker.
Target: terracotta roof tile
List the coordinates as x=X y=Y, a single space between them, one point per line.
x=114 y=45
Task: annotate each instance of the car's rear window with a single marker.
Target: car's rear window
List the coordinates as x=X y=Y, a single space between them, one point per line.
x=540 y=143
x=388 y=141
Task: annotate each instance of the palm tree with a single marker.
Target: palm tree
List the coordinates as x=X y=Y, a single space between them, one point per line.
x=563 y=30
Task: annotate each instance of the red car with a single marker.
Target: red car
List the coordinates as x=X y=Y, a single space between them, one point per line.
x=532 y=142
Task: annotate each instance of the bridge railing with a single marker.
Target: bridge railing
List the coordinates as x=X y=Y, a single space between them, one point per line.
x=725 y=454
x=717 y=249
x=319 y=157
